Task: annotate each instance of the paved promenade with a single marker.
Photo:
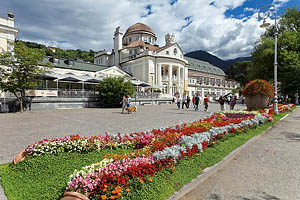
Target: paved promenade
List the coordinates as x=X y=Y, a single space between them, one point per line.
x=267 y=168
x=19 y=130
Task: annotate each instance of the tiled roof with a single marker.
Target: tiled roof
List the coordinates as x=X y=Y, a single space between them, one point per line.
x=203 y=66
x=137 y=28
x=139 y=43
x=75 y=65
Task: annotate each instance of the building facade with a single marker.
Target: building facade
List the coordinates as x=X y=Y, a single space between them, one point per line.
x=206 y=79
x=137 y=53
x=8 y=33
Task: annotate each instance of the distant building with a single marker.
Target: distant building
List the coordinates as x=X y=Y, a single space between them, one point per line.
x=137 y=53
x=206 y=79
x=8 y=33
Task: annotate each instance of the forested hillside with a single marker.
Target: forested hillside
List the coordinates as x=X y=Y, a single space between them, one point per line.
x=78 y=54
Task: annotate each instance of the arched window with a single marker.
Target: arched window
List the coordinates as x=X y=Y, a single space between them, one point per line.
x=175 y=51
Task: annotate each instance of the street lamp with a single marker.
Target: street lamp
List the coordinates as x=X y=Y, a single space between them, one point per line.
x=264 y=15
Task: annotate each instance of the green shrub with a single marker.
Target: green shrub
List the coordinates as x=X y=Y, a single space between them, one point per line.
x=112 y=89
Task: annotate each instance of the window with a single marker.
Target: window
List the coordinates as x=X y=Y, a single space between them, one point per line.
x=137 y=38
x=101 y=60
x=149 y=39
x=167 y=52
x=130 y=51
x=175 y=51
x=129 y=39
x=135 y=51
x=145 y=39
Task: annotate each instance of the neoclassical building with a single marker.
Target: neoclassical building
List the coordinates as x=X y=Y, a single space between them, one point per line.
x=137 y=53
x=206 y=79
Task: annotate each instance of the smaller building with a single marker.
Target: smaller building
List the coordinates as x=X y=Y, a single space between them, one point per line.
x=206 y=79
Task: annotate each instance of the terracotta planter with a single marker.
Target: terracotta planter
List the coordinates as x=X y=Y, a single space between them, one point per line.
x=74 y=196
x=257 y=102
x=19 y=157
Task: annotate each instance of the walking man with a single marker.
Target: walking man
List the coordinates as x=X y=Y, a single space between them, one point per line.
x=197 y=100
x=206 y=100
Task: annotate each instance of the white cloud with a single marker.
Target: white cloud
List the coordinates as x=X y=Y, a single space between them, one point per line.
x=90 y=24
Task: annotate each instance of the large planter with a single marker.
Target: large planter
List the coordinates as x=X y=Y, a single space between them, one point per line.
x=257 y=102
x=74 y=196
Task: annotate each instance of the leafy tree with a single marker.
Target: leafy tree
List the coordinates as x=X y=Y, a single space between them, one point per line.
x=112 y=89
x=288 y=53
x=20 y=70
x=239 y=72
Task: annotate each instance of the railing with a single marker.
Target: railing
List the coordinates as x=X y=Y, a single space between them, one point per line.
x=148 y=95
x=76 y=93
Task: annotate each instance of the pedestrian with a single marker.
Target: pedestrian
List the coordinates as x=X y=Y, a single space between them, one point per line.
x=233 y=102
x=188 y=100
x=128 y=103
x=206 y=100
x=178 y=100
x=197 y=100
x=228 y=99
x=193 y=100
x=222 y=101
x=184 y=99
x=124 y=103
x=243 y=100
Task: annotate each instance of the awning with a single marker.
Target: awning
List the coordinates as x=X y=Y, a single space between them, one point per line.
x=48 y=77
x=70 y=78
x=92 y=80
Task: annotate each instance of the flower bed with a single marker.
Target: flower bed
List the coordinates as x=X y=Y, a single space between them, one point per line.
x=117 y=176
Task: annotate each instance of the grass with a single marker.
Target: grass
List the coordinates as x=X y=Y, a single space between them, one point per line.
x=45 y=177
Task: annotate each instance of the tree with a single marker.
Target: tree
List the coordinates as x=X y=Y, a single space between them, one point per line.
x=112 y=89
x=288 y=53
x=239 y=72
x=20 y=70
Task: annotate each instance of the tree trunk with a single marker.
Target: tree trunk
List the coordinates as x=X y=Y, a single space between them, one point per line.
x=21 y=104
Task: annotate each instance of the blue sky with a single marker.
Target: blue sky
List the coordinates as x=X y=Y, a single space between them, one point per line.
x=225 y=28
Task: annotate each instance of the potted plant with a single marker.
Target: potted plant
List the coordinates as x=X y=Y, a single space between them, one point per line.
x=258 y=94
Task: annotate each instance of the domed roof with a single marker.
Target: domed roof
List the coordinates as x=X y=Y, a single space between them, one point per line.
x=139 y=27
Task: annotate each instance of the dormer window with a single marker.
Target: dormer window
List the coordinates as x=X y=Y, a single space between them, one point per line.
x=175 y=51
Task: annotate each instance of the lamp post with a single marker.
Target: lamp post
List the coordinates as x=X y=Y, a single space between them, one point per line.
x=264 y=15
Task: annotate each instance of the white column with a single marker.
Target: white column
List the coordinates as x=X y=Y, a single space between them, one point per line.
x=170 y=80
x=179 y=80
x=159 y=75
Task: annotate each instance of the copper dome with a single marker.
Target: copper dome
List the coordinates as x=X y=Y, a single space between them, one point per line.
x=138 y=27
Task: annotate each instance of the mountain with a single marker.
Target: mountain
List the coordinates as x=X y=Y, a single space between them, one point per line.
x=214 y=60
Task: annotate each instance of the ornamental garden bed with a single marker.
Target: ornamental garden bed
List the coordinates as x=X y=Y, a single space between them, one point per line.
x=145 y=165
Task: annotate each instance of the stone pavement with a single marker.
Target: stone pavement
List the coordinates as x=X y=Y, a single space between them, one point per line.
x=266 y=168
x=19 y=130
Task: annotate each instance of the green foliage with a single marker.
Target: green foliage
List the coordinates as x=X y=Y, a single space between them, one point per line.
x=288 y=53
x=87 y=56
x=20 y=70
x=112 y=89
x=239 y=72
x=46 y=176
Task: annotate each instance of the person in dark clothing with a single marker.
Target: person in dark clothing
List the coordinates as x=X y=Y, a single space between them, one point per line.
x=222 y=101
x=197 y=100
x=188 y=100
